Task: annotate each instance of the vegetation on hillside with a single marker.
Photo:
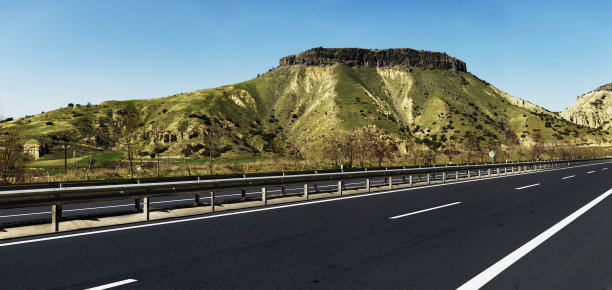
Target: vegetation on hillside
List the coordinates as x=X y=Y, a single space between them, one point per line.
x=303 y=117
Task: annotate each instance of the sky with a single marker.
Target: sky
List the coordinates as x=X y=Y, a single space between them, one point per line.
x=57 y=52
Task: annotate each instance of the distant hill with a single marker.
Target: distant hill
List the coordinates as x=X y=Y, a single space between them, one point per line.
x=412 y=95
x=593 y=109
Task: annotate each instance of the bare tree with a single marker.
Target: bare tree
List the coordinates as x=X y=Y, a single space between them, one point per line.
x=383 y=145
x=364 y=138
x=472 y=146
x=127 y=121
x=538 y=147
x=12 y=158
x=412 y=151
x=427 y=156
x=211 y=136
x=334 y=150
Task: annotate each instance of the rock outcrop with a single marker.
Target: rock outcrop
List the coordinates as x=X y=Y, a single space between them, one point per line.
x=398 y=58
x=592 y=109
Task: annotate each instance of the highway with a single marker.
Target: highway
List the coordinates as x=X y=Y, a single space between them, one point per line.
x=442 y=236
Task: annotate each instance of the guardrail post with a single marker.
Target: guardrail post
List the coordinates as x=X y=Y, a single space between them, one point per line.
x=410 y=181
x=243 y=194
x=497 y=171
x=282 y=190
x=457 y=175
x=340 y=187
x=196 y=200
x=390 y=182
x=56 y=216
x=468 y=174
x=306 y=191
x=368 y=185
x=212 y=201
x=428 y=179
x=264 y=195
x=444 y=177
x=146 y=207
x=489 y=172
x=479 y=173
x=137 y=204
x=316 y=188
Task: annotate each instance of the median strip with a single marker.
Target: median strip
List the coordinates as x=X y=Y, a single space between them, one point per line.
x=571 y=176
x=424 y=210
x=527 y=186
x=112 y=285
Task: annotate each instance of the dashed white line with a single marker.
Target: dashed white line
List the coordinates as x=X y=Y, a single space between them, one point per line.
x=527 y=186
x=605 y=168
x=491 y=272
x=115 y=284
x=590 y=172
x=571 y=176
x=424 y=210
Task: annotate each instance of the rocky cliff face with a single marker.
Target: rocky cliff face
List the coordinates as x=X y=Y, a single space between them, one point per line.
x=593 y=109
x=399 y=58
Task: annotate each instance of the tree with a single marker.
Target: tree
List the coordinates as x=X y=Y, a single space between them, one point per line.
x=348 y=147
x=364 y=137
x=127 y=121
x=451 y=149
x=12 y=158
x=92 y=135
x=538 y=147
x=211 y=137
x=334 y=150
x=186 y=152
x=383 y=146
x=472 y=146
x=427 y=156
x=412 y=151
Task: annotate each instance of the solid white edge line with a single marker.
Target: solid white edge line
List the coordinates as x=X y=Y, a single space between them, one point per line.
x=111 y=285
x=491 y=272
x=424 y=210
x=267 y=208
x=571 y=176
x=527 y=186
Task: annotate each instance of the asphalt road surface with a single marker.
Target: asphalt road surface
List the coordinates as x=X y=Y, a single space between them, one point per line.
x=441 y=236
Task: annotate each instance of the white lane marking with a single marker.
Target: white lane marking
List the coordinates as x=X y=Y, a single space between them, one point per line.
x=605 y=168
x=590 y=172
x=24 y=214
x=527 y=186
x=571 y=176
x=94 y=232
x=111 y=285
x=424 y=210
x=490 y=273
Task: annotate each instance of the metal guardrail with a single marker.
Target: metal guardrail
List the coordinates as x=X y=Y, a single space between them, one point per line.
x=57 y=196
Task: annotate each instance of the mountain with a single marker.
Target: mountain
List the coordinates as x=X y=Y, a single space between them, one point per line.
x=410 y=94
x=593 y=109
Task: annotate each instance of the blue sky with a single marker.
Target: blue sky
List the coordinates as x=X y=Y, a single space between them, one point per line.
x=56 y=52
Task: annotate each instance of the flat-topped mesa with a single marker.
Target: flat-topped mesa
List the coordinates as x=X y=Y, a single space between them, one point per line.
x=607 y=87
x=403 y=58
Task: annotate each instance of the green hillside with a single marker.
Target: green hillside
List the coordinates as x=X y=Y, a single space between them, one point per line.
x=305 y=104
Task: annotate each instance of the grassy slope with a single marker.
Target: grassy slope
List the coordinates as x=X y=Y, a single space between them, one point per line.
x=308 y=103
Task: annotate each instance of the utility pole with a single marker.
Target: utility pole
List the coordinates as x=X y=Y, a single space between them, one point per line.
x=65 y=158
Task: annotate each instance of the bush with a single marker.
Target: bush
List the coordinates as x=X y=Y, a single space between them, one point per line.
x=70 y=105
x=50 y=124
